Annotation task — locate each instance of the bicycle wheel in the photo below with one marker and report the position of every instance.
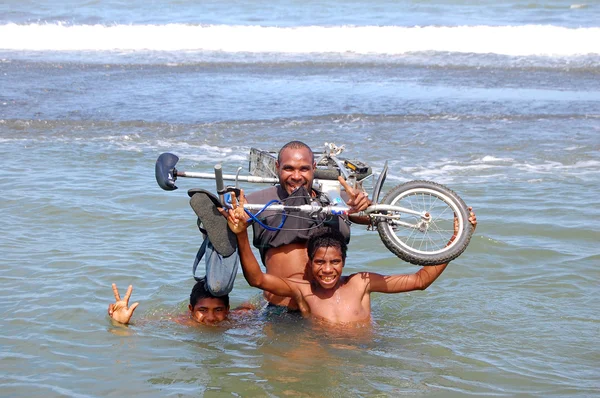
(425, 241)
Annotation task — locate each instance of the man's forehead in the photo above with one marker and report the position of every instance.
(289, 154)
(209, 302)
(331, 251)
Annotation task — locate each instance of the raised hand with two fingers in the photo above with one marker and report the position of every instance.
(357, 200)
(120, 310)
(237, 217)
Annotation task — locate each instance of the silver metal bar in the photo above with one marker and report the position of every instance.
(380, 207)
(310, 209)
(228, 177)
(336, 209)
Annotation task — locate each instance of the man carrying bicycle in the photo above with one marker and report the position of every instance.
(283, 250)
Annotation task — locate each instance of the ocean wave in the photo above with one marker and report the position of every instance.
(525, 40)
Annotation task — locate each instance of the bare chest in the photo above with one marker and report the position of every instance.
(344, 305)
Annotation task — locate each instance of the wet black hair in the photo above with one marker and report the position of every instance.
(295, 145)
(326, 237)
(199, 292)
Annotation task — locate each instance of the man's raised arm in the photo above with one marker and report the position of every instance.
(237, 222)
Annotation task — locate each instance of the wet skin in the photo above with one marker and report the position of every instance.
(327, 267)
(209, 311)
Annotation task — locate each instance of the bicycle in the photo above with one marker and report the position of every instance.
(415, 220)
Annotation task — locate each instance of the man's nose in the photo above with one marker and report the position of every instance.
(209, 316)
(327, 268)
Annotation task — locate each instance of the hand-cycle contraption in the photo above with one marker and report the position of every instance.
(422, 222)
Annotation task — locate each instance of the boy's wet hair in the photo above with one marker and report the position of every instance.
(200, 292)
(326, 237)
(295, 145)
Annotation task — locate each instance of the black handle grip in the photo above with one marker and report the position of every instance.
(219, 179)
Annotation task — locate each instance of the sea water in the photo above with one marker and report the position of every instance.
(498, 101)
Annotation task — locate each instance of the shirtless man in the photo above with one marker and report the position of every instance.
(284, 252)
(328, 295)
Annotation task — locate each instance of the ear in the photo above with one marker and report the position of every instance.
(191, 308)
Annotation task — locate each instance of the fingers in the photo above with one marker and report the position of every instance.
(232, 220)
(223, 211)
(111, 309)
(234, 201)
(455, 224)
(116, 292)
(128, 294)
(133, 307)
(361, 201)
(239, 211)
(357, 200)
(472, 218)
(347, 187)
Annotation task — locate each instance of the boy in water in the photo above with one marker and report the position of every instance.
(328, 295)
(204, 307)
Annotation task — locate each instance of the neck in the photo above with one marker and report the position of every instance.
(323, 293)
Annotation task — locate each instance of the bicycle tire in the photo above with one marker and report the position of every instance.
(429, 246)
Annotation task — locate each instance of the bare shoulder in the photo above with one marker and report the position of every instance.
(359, 278)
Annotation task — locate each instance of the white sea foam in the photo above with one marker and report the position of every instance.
(452, 169)
(527, 40)
(210, 154)
(491, 168)
(493, 159)
(586, 167)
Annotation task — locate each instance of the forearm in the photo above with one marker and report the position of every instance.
(420, 280)
(250, 266)
(427, 275)
(357, 219)
(254, 274)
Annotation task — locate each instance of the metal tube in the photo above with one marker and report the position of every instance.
(228, 177)
(219, 181)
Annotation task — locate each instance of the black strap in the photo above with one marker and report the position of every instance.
(199, 256)
(202, 230)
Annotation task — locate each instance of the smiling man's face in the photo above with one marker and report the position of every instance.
(296, 168)
(209, 311)
(327, 265)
